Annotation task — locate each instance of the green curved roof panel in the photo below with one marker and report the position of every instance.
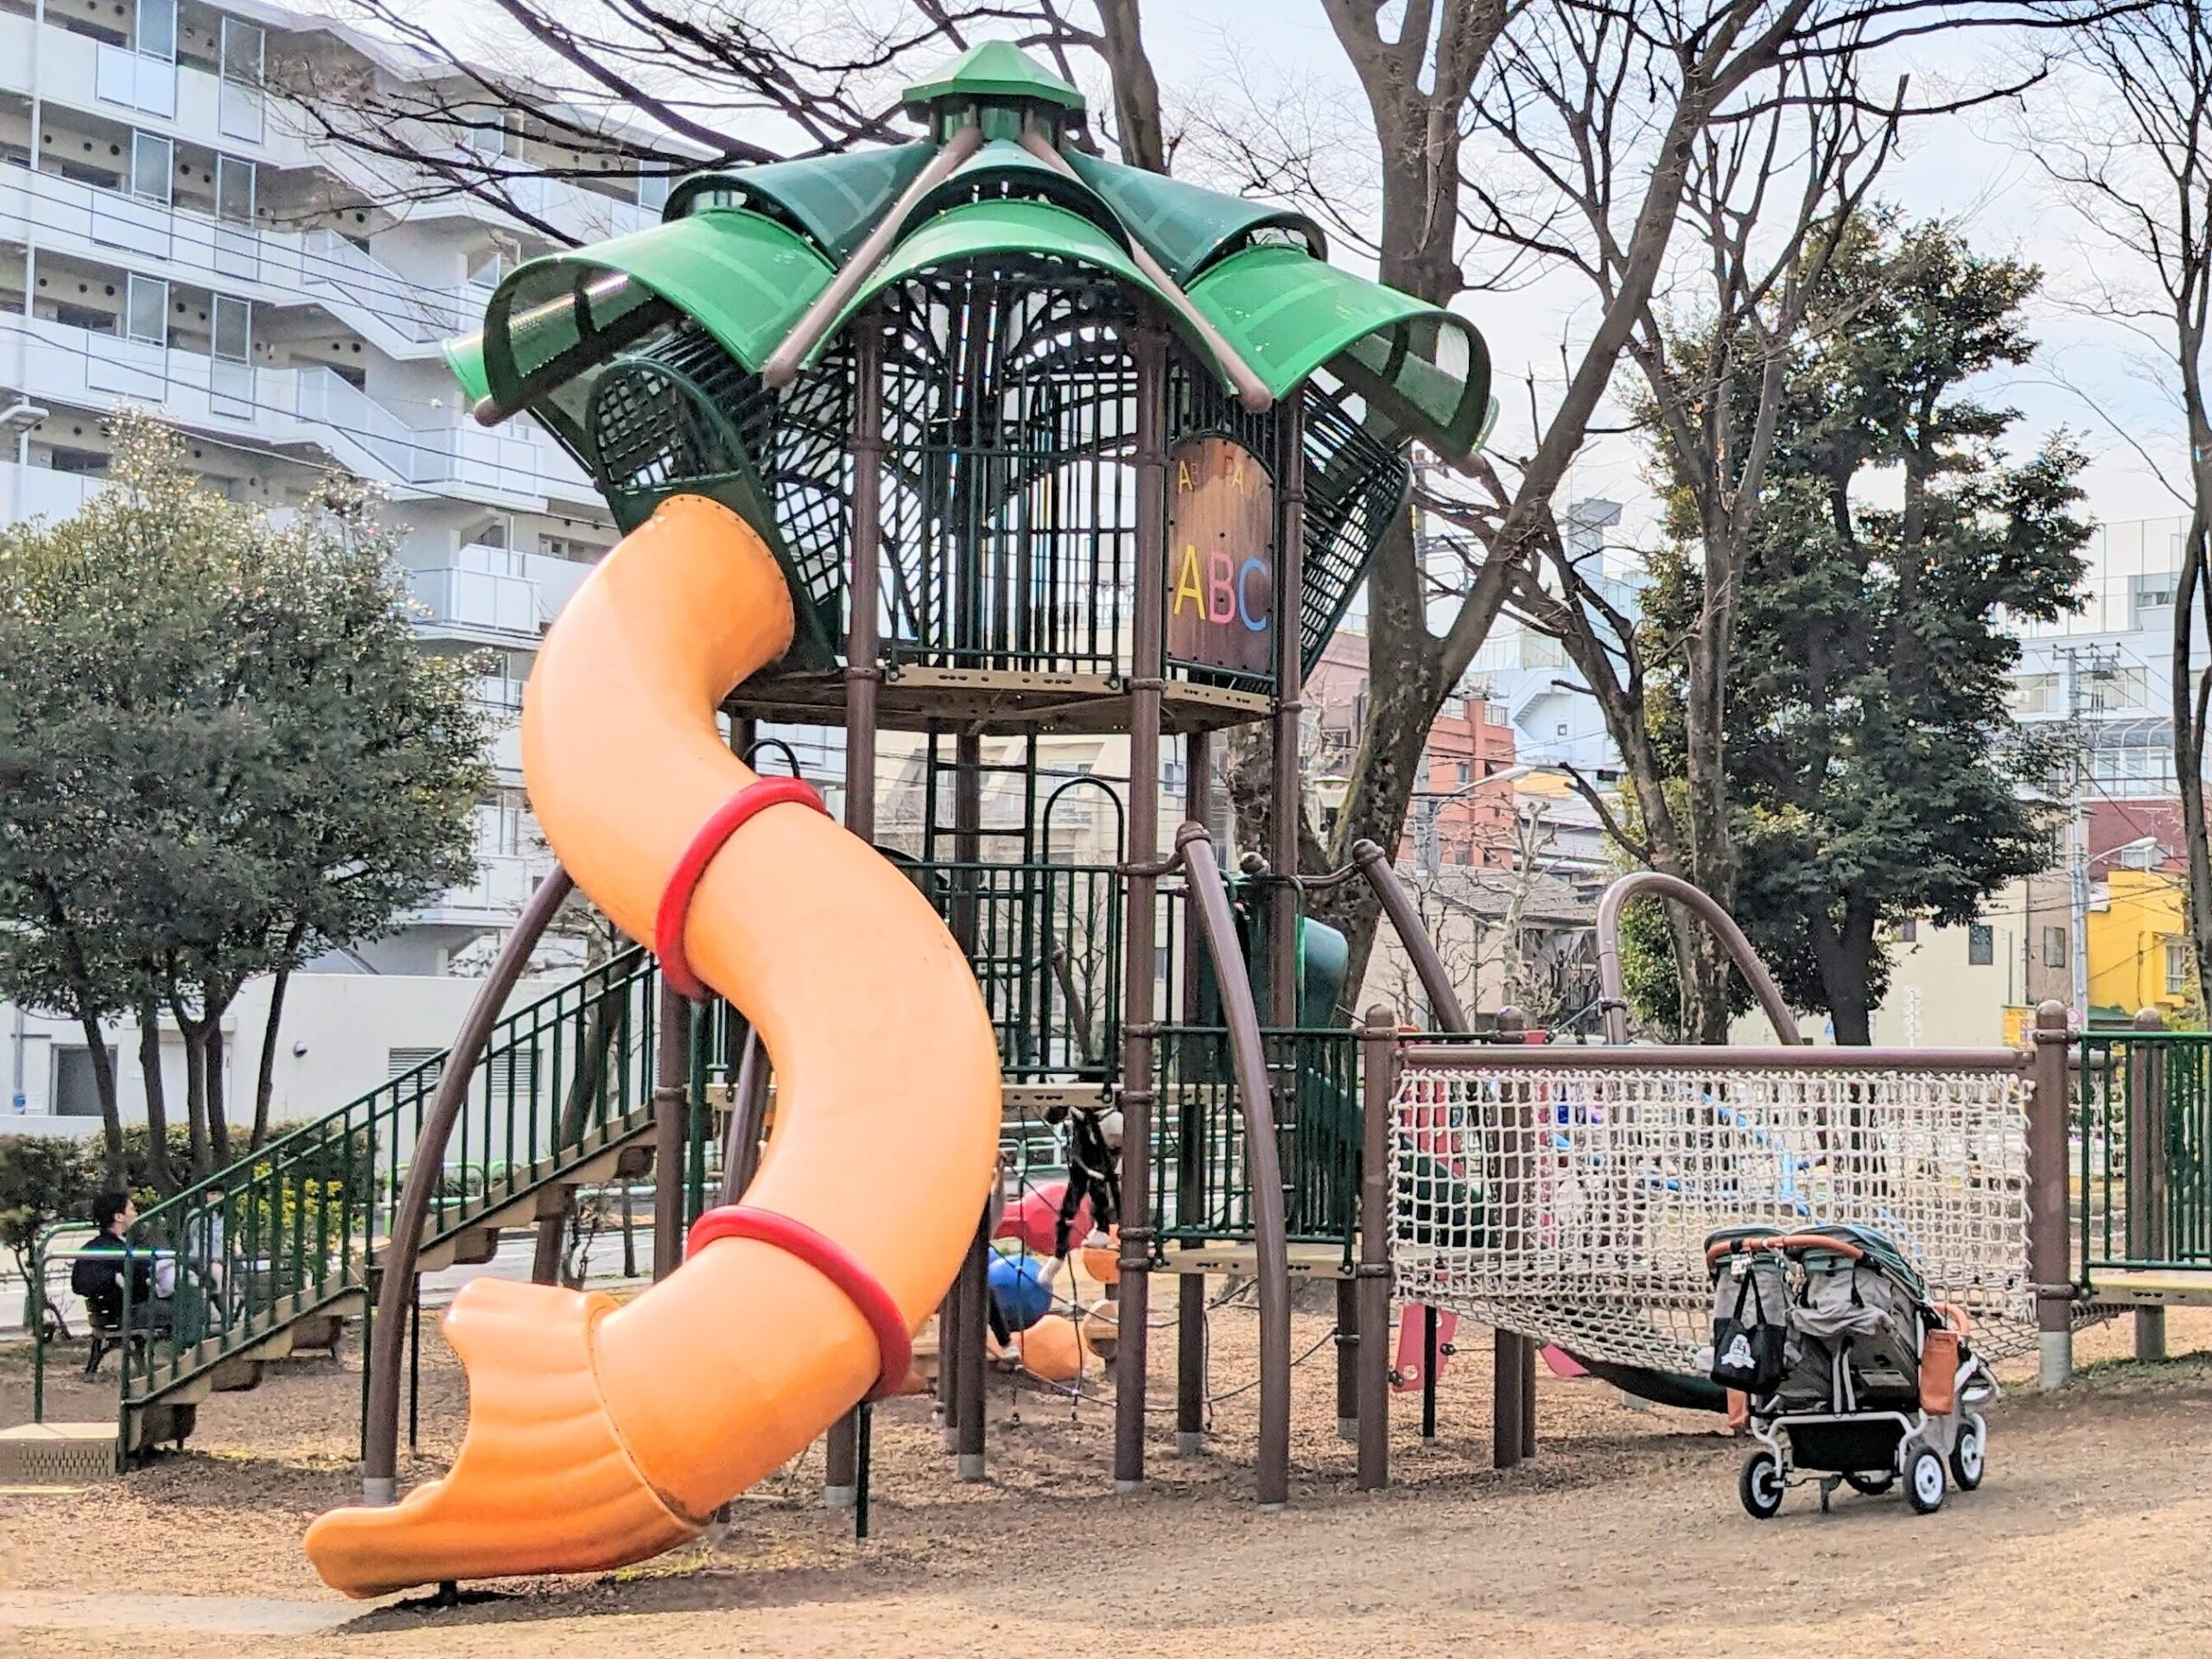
(1421, 368)
(464, 357)
(996, 69)
(1003, 168)
(834, 200)
(1185, 227)
(745, 277)
(980, 229)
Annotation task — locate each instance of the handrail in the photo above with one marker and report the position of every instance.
(1707, 910)
(380, 1429)
(1428, 967)
(1194, 849)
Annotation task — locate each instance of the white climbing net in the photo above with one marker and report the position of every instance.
(1570, 1202)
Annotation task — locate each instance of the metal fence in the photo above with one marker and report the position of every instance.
(2143, 1148)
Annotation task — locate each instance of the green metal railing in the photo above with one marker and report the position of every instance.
(1046, 952)
(297, 1224)
(1200, 1178)
(2143, 1138)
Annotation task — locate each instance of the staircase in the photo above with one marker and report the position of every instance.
(276, 1250)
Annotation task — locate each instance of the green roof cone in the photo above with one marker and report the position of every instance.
(993, 70)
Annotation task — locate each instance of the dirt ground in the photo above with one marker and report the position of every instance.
(1624, 1538)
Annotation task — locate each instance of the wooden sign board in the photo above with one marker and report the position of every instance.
(1221, 564)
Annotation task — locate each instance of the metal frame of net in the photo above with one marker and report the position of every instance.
(1571, 1202)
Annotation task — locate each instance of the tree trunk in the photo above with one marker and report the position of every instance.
(157, 1111)
(1136, 90)
(264, 1080)
(111, 1109)
(211, 1058)
(1845, 958)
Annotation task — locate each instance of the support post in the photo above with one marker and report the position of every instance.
(1140, 1016)
(1378, 1057)
(1429, 1355)
(863, 677)
(1286, 787)
(975, 1291)
(1512, 1381)
(2048, 1220)
(2148, 1103)
(1190, 1288)
(671, 1117)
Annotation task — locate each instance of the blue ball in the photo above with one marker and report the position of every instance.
(1018, 1287)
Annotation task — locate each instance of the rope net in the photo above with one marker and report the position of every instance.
(1570, 1202)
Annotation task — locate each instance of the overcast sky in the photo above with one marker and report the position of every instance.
(1973, 172)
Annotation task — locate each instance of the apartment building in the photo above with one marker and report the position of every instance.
(178, 234)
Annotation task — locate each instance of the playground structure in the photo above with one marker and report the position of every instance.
(980, 440)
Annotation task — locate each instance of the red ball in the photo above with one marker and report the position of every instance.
(1034, 1219)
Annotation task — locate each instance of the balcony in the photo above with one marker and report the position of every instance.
(503, 886)
(485, 592)
(310, 406)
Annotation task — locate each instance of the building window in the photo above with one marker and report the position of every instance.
(157, 32)
(1981, 944)
(2054, 947)
(2034, 694)
(652, 191)
(146, 310)
(234, 190)
(1463, 772)
(1909, 931)
(76, 1088)
(153, 159)
(2177, 967)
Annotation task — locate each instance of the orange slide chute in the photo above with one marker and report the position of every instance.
(602, 1433)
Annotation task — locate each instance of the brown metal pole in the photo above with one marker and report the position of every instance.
(1378, 1059)
(748, 1113)
(2049, 1217)
(1263, 1161)
(1286, 787)
(671, 1118)
(1140, 1018)
(974, 1322)
(1613, 986)
(2148, 1097)
(425, 1165)
(1445, 1013)
(863, 677)
(1190, 1288)
(1510, 1434)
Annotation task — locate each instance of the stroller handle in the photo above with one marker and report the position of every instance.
(1783, 1242)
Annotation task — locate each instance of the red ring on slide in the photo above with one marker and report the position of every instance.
(895, 1344)
(676, 899)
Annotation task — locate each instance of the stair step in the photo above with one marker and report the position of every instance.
(34, 1455)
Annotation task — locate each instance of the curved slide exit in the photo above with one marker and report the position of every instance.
(602, 1432)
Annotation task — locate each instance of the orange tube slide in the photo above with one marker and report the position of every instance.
(602, 1432)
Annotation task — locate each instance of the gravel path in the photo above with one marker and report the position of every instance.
(1624, 1538)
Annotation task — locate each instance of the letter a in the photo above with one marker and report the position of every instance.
(1187, 582)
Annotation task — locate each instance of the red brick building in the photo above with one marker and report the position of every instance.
(1464, 813)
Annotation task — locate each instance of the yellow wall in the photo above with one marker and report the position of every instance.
(2128, 933)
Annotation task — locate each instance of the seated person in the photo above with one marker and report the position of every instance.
(100, 1283)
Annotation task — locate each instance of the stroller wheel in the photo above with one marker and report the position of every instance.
(1967, 1453)
(1760, 1485)
(1923, 1484)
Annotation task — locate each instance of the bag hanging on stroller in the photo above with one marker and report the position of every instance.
(1750, 1331)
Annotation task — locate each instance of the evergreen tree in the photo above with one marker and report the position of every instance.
(1874, 771)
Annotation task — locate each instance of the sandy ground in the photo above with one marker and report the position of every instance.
(1624, 1538)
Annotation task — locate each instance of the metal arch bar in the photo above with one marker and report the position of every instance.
(782, 366)
(759, 744)
(387, 1329)
(1444, 1003)
(1121, 817)
(1251, 391)
(1709, 911)
(1194, 847)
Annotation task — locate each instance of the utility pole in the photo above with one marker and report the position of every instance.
(2083, 663)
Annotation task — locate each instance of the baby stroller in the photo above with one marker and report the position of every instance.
(1848, 1368)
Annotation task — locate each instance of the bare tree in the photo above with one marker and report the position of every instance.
(2133, 157)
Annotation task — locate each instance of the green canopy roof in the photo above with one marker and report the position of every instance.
(746, 252)
(834, 199)
(996, 70)
(746, 278)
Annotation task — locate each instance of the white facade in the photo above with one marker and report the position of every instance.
(175, 237)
